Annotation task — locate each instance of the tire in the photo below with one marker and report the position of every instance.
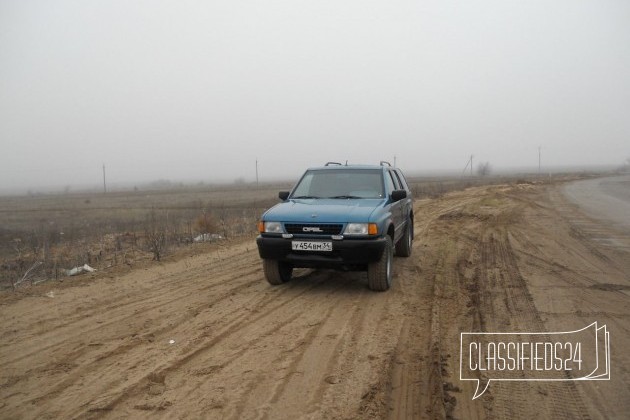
(276, 272)
(403, 247)
(380, 272)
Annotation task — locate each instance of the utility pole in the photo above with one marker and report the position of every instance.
(256, 172)
(468, 162)
(538, 160)
(394, 161)
(104, 183)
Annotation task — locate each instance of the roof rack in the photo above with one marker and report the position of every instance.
(383, 162)
(332, 163)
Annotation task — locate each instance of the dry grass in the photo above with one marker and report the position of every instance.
(106, 230)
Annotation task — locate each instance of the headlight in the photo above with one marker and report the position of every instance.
(270, 227)
(360, 229)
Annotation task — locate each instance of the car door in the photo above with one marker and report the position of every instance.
(397, 208)
(408, 202)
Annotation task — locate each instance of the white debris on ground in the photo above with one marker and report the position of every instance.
(208, 237)
(79, 270)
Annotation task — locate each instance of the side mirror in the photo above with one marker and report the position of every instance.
(398, 195)
(283, 195)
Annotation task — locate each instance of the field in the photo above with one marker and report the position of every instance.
(120, 229)
(200, 334)
(115, 229)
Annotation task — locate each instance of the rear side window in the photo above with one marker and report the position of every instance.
(401, 180)
(391, 185)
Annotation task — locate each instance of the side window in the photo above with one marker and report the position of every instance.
(396, 180)
(391, 186)
(401, 180)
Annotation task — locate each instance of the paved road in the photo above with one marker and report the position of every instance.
(606, 199)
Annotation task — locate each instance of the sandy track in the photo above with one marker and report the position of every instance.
(324, 346)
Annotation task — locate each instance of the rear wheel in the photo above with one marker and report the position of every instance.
(403, 247)
(380, 272)
(277, 272)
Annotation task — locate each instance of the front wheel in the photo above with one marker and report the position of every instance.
(403, 247)
(277, 272)
(380, 272)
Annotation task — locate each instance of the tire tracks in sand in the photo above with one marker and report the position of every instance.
(320, 346)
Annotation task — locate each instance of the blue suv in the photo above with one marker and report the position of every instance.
(345, 217)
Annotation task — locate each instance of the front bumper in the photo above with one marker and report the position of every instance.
(346, 253)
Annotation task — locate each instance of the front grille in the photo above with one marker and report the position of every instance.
(313, 228)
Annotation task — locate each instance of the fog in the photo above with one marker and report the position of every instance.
(201, 90)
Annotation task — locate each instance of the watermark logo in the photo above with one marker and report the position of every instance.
(578, 355)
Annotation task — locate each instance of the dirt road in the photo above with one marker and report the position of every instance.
(206, 337)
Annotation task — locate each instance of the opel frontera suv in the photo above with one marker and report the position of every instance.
(345, 217)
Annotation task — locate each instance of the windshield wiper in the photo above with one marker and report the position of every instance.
(303, 197)
(346, 196)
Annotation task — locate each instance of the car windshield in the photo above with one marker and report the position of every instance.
(340, 184)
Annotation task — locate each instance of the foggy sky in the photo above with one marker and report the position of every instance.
(201, 89)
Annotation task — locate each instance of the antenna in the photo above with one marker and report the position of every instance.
(256, 172)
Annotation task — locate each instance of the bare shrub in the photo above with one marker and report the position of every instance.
(224, 214)
(205, 223)
(155, 235)
(28, 274)
(18, 246)
(484, 169)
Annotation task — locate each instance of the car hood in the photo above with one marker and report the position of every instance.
(323, 210)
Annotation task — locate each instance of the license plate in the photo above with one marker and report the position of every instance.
(311, 246)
